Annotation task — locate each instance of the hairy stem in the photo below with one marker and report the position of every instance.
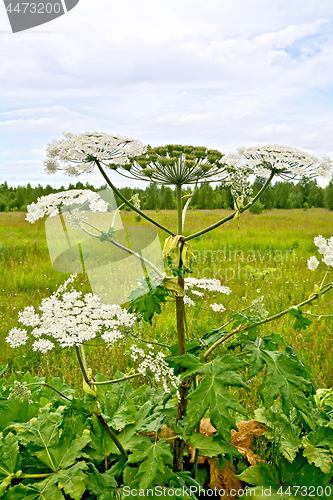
(182, 403)
(137, 210)
(113, 436)
(231, 216)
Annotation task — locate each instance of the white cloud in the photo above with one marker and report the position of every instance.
(225, 73)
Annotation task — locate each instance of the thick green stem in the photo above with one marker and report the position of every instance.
(137, 210)
(99, 416)
(113, 436)
(231, 216)
(182, 403)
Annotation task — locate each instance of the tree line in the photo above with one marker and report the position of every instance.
(304, 194)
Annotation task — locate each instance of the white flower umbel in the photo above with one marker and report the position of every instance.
(206, 288)
(313, 263)
(211, 285)
(20, 391)
(257, 307)
(75, 154)
(156, 365)
(68, 318)
(288, 163)
(50, 204)
(217, 307)
(175, 165)
(325, 248)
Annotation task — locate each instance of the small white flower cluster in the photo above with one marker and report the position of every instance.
(238, 178)
(76, 218)
(212, 285)
(217, 307)
(20, 391)
(135, 200)
(49, 205)
(189, 301)
(257, 307)
(325, 247)
(70, 318)
(75, 153)
(209, 285)
(157, 366)
(285, 161)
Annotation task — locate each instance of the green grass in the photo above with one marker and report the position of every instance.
(279, 239)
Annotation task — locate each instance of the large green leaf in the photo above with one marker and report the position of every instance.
(154, 456)
(16, 411)
(9, 455)
(149, 304)
(281, 483)
(72, 480)
(283, 430)
(43, 438)
(210, 446)
(104, 486)
(43, 490)
(318, 448)
(212, 393)
(285, 376)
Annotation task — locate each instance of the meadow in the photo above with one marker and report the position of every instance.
(266, 255)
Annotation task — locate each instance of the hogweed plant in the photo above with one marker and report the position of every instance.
(122, 442)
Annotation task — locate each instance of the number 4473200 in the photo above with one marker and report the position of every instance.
(34, 8)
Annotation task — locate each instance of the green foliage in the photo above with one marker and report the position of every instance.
(148, 304)
(285, 376)
(295, 480)
(257, 208)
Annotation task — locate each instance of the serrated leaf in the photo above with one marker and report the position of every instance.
(209, 446)
(318, 448)
(301, 322)
(285, 376)
(9, 455)
(155, 456)
(42, 490)
(213, 394)
(264, 476)
(17, 411)
(283, 431)
(72, 480)
(104, 486)
(149, 304)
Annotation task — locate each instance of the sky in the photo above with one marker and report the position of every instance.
(214, 73)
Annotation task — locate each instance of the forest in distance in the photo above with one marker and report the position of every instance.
(285, 195)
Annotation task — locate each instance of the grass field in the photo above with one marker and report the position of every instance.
(278, 239)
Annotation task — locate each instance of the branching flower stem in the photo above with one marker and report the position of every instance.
(44, 384)
(114, 381)
(125, 249)
(128, 203)
(99, 415)
(187, 205)
(247, 326)
(231, 216)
